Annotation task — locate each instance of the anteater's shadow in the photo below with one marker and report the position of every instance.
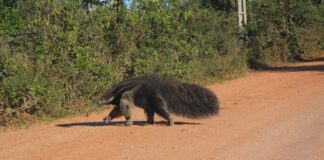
(120, 123)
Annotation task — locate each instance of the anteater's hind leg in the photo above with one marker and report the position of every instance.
(116, 112)
(150, 116)
(127, 106)
(161, 108)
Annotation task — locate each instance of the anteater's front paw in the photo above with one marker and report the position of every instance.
(106, 120)
(171, 123)
(128, 123)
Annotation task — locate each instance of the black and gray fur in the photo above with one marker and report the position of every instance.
(160, 95)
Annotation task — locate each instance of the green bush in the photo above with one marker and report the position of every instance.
(279, 31)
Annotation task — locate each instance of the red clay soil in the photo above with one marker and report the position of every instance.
(275, 115)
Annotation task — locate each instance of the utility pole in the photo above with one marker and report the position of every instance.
(242, 17)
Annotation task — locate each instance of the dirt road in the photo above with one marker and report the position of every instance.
(272, 115)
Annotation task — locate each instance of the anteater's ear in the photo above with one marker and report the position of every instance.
(111, 99)
(105, 101)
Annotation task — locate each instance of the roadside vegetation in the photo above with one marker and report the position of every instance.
(56, 55)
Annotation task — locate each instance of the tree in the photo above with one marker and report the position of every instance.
(225, 5)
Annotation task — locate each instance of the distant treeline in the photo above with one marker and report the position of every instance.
(57, 54)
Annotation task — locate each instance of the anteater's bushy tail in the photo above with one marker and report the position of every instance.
(189, 100)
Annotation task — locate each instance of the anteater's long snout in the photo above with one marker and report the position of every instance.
(97, 104)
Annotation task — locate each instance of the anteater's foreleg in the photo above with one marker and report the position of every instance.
(127, 106)
(116, 112)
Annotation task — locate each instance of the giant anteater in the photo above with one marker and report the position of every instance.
(160, 95)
